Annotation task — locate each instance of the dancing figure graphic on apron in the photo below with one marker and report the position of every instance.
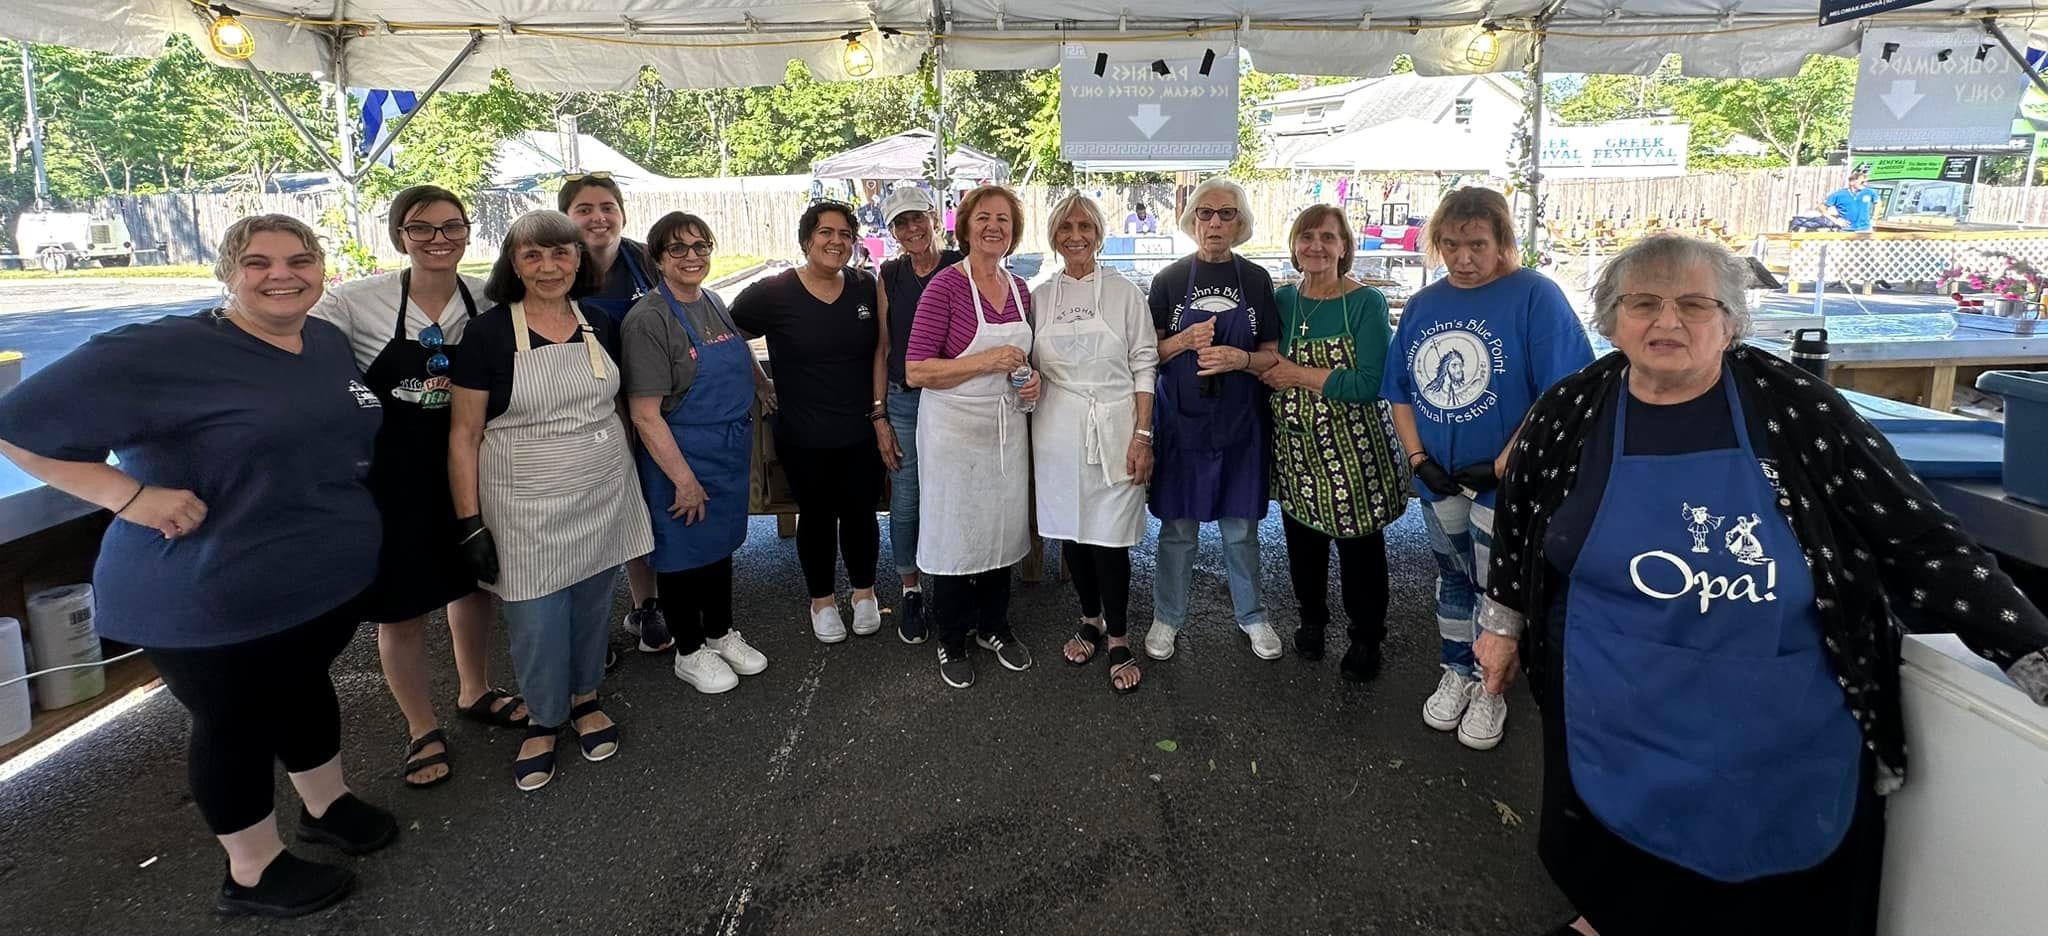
(1742, 541)
(1699, 523)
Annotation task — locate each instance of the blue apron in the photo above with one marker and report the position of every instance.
(712, 427)
(1211, 450)
(1703, 721)
(616, 307)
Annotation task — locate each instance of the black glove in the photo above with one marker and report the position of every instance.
(478, 548)
(1434, 477)
(1478, 476)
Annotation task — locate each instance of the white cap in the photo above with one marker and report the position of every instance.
(906, 198)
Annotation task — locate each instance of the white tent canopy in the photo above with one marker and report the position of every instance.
(602, 44)
(904, 156)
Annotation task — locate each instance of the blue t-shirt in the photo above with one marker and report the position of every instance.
(277, 445)
(1854, 207)
(1471, 361)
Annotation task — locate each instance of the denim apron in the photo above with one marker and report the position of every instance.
(715, 432)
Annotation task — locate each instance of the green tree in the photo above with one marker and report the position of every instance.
(1798, 118)
(453, 138)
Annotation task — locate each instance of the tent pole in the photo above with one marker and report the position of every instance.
(262, 80)
(476, 41)
(2019, 58)
(344, 129)
(941, 180)
(1535, 110)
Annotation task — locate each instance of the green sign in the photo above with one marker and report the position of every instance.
(1894, 168)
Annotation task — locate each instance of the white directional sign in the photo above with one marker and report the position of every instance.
(1933, 89)
(1132, 116)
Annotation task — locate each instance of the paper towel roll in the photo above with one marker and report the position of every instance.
(60, 628)
(14, 709)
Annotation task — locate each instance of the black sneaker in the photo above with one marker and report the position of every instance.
(1008, 650)
(957, 671)
(910, 623)
(1308, 642)
(291, 886)
(355, 827)
(646, 623)
(1361, 661)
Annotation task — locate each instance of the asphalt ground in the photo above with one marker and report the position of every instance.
(847, 790)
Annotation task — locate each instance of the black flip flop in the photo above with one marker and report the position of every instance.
(1120, 659)
(486, 710)
(1088, 634)
(414, 763)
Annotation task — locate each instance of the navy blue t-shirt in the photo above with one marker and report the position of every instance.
(277, 445)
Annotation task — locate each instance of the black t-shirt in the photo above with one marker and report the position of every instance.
(1217, 289)
(822, 357)
(618, 282)
(903, 286)
(1701, 424)
(488, 347)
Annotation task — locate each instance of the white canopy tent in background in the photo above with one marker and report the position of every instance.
(907, 155)
(603, 44)
(1407, 144)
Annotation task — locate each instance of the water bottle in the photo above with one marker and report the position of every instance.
(1811, 353)
(1018, 378)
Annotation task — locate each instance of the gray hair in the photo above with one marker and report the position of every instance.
(1669, 255)
(1237, 194)
(1066, 206)
(540, 228)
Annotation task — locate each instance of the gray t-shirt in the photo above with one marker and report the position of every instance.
(656, 349)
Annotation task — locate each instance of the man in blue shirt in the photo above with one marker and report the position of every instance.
(1851, 208)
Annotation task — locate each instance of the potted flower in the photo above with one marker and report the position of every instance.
(2002, 285)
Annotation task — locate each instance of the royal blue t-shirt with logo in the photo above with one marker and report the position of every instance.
(1471, 361)
(1856, 208)
(277, 445)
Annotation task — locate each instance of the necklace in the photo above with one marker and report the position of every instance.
(1309, 316)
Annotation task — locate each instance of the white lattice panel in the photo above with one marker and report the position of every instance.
(1899, 258)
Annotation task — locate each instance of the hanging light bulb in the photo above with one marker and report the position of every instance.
(855, 59)
(1484, 49)
(229, 37)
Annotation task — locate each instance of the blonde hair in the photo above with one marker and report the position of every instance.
(235, 243)
(1313, 217)
(963, 214)
(1237, 195)
(1067, 206)
(1467, 205)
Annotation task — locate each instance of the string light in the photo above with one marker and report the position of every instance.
(229, 37)
(855, 59)
(1484, 49)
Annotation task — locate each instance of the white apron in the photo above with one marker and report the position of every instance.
(556, 477)
(1084, 424)
(974, 462)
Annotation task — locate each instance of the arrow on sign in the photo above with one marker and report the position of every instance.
(1149, 119)
(1901, 98)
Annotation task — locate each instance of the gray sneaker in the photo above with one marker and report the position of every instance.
(957, 671)
(1008, 650)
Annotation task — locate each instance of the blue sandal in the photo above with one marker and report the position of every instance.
(597, 745)
(540, 765)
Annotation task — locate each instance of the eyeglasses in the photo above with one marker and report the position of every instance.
(420, 232)
(1693, 309)
(1226, 214)
(432, 340)
(679, 250)
(598, 176)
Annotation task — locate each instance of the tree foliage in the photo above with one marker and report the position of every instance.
(1800, 119)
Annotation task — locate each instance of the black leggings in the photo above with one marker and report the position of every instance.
(254, 703)
(696, 603)
(836, 491)
(967, 602)
(1361, 568)
(1102, 580)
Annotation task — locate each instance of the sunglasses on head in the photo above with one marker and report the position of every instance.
(598, 176)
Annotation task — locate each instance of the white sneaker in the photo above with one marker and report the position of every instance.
(827, 625)
(737, 653)
(1447, 704)
(1486, 719)
(1265, 643)
(867, 616)
(1159, 641)
(705, 671)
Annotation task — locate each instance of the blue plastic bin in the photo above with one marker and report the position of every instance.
(2026, 430)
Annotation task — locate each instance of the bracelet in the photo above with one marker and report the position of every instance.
(878, 417)
(1144, 440)
(1144, 433)
(1412, 456)
(132, 498)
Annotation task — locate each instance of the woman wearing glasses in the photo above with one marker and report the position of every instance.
(1218, 328)
(404, 328)
(690, 379)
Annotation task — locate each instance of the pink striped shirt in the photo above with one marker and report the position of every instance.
(945, 324)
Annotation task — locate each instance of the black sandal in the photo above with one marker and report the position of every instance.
(1120, 660)
(1088, 634)
(542, 764)
(594, 743)
(414, 763)
(486, 709)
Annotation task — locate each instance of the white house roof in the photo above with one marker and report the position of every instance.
(1407, 144)
(904, 156)
(533, 159)
(1369, 104)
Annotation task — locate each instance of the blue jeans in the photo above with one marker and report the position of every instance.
(557, 643)
(1461, 536)
(1176, 570)
(903, 483)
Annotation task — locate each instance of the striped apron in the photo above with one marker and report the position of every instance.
(556, 478)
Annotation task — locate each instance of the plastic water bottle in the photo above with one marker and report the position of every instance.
(1018, 378)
